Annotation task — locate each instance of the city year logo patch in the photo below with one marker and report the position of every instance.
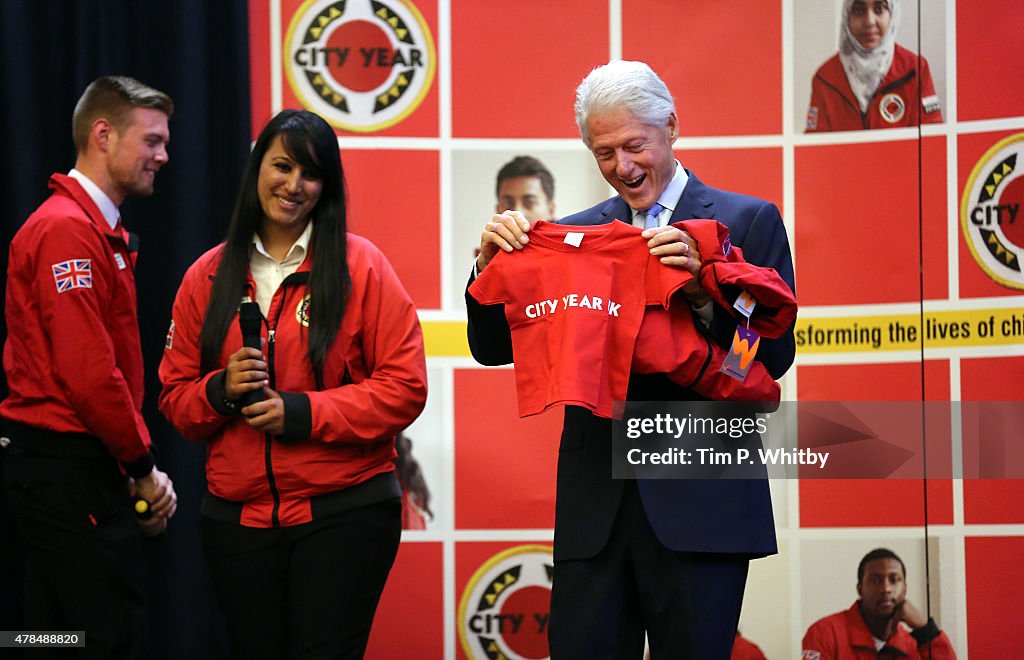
(990, 217)
(302, 311)
(504, 609)
(363, 65)
(892, 108)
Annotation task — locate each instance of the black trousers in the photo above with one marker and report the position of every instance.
(306, 591)
(85, 567)
(687, 603)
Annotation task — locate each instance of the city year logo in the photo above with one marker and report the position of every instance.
(503, 613)
(363, 65)
(990, 216)
(892, 108)
(302, 311)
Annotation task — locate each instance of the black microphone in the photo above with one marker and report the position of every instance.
(249, 322)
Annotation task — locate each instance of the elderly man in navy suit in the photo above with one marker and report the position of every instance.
(663, 557)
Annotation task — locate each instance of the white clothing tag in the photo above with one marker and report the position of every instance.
(574, 238)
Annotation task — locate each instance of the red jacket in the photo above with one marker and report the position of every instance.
(669, 342)
(744, 649)
(834, 106)
(725, 275)
(72, 357)
(413, 516)
(845, 636)
(374, 378)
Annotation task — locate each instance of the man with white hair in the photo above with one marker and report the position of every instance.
(632, 556)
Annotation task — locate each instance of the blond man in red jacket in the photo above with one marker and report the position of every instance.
(76, 443)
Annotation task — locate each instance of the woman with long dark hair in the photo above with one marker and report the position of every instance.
(303, 515)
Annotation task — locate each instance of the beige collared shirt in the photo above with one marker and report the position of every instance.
(268, 272)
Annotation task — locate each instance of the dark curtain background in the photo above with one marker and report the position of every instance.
(196, 51)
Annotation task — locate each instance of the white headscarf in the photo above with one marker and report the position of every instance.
(865, 67)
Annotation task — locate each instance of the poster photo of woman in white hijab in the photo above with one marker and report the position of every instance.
(874, 81)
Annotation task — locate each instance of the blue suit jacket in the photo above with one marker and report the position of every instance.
(722, 516)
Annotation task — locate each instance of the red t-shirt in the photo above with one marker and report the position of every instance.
(575, 311)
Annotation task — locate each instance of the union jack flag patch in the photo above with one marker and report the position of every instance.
(72, 274)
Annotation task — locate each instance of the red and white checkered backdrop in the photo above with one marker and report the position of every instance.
(875, 220)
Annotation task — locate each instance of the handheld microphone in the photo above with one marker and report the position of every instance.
(249, 322)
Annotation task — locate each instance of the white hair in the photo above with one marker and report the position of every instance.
(621, 84)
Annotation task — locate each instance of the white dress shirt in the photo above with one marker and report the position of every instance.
(268, 272)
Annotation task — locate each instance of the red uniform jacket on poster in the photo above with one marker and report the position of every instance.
(375, 384)
(744, 649)
(72, 358)
(845, 636)
(413, 516)
(834, 107)
(575, 315)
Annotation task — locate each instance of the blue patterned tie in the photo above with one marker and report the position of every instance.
(651, 216)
